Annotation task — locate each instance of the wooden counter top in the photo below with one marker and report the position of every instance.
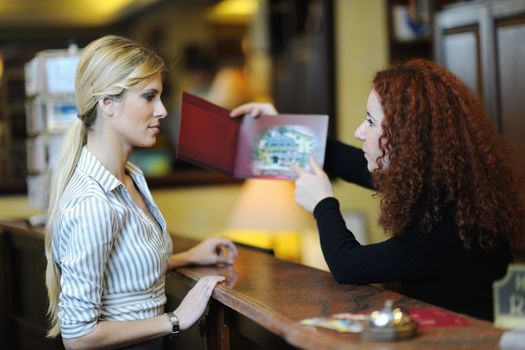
(276, 294)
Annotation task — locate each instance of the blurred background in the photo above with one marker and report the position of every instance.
(305, 56)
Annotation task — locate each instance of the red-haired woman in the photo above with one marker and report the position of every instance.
(448, 198)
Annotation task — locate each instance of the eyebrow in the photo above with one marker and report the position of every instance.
(151, 90)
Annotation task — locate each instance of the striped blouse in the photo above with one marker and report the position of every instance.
(112, 256)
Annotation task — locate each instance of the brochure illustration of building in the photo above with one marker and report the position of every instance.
(246, 147)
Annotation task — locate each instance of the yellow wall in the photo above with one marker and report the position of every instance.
(197, 212)
(361, 44)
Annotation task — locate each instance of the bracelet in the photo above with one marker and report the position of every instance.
(174, 320)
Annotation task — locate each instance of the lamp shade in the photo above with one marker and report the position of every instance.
(268, 205)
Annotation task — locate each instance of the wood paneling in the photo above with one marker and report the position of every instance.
(510, 42)
(499, 34)
(461, 44)
(465, 43)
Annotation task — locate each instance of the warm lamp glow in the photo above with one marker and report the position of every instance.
(77, 13)
(233, 11)
(268, 205)
(107, 8)
(267, 216)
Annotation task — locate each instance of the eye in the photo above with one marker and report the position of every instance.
(149, 97)
(370, 121)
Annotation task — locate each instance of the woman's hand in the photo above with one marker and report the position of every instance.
(212, 251)
(254, 109)
(194, 303)
(310, 188)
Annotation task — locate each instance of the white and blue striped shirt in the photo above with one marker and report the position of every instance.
(112, 256)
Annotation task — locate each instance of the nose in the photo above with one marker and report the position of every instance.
(360, 132)
(160, 110)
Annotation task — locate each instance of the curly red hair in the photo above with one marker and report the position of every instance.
(443, 151)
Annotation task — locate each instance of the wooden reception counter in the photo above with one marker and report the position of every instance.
(258, 307)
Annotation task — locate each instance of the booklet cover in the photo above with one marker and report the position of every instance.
(246, 147)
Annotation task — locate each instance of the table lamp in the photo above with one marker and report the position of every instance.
(267, 216)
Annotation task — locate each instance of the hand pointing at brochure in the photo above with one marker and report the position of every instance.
(311, 188)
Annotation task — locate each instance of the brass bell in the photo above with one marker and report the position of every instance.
(389, 324)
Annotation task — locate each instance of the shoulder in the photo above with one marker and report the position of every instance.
(84, 199)
(81, 189)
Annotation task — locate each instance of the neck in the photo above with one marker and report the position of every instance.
(112, 154)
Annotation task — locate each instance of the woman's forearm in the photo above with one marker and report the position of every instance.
(179, 260)
(113, 334)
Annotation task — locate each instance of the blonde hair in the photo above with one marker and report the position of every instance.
(108, 67)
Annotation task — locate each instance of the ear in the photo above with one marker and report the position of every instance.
(107, 105)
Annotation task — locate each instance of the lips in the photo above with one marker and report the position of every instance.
(155, 128)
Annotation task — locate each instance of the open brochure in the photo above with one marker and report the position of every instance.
(246, 147)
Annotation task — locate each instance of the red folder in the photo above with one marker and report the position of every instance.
(245, 147)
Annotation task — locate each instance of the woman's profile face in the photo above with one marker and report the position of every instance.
(371, 130)
(137, 122)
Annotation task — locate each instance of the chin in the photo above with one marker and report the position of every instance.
(149, 143)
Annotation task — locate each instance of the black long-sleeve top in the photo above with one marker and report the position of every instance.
(432, 266)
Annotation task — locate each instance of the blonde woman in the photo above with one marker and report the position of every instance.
(107, 246)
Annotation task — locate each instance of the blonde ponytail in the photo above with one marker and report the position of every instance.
(74, 140)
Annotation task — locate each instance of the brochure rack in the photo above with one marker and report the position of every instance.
(50, 110)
